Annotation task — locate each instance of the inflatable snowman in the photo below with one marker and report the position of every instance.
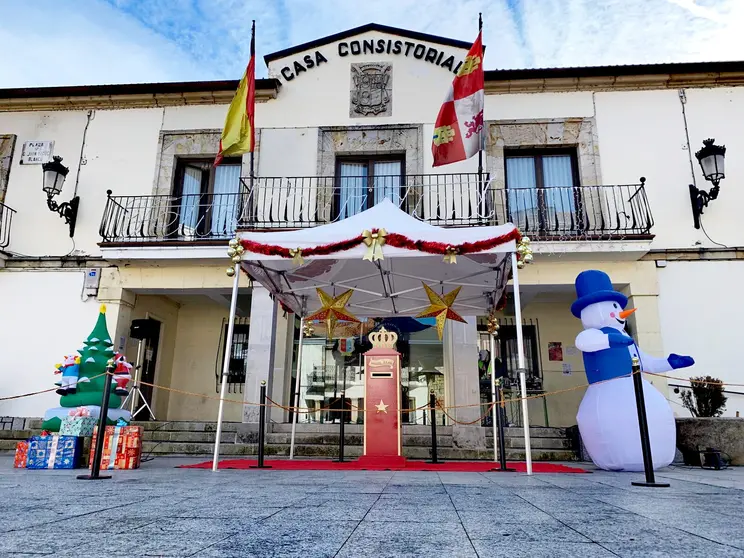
(607, 418)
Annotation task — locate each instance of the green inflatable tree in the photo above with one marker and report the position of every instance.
(94, 356)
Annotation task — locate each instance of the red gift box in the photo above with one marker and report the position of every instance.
(124, 443)
(21, 455)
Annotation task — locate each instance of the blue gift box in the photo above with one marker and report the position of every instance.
(54, 452)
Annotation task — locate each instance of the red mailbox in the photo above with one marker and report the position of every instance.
(382, 436)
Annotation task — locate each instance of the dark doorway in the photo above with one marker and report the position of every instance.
(149, 357)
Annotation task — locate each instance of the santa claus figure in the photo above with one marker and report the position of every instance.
(122, 375)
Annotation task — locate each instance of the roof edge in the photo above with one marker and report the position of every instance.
(364, 29)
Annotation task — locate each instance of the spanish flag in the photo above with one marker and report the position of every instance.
(238, 135)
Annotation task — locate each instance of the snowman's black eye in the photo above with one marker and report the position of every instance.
(616, 306)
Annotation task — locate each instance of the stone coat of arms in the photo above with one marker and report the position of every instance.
(371, 90)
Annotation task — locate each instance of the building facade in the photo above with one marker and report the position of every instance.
(342, 123)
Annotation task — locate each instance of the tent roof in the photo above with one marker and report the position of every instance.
(387, 287)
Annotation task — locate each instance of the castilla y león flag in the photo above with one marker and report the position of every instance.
(238, 135)
(459, 125)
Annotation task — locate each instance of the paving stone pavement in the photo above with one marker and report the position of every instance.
(162, 511)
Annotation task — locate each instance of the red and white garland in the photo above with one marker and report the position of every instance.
(392, 239)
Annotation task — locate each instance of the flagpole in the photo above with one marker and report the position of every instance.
(253, 147)
(480, 143)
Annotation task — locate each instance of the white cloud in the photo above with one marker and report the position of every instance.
(89, 41)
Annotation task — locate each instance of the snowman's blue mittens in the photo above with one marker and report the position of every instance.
(678, 361)
(619, 340)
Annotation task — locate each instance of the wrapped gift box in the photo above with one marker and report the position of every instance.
(122, 447)
(54, 452)
(21, 455)
(77, 426)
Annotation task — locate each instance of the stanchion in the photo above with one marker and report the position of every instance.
(341, 429)
(101, 436)
(261, 428)
(648, 464)
(433, 408)
(500, 429)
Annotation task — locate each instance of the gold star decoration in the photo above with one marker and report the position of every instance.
(381, 407)
(441, 308)
(333, 310)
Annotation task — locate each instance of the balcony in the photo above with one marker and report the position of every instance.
(6, 218)
(449, 200)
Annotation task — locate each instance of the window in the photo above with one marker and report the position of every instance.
(543, 190)
(238, 355)
(208, 198)
(364, 182)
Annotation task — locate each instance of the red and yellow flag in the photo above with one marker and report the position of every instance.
(459, 125)
(238, 135)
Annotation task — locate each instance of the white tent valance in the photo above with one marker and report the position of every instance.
(388, 286)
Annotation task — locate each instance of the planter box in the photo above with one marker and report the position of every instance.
(724, 434)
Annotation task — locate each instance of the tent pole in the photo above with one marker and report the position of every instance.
(494, 410)
(522, 373)
(226, 365)
(297, 389)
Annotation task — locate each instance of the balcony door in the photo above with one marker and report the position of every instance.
(363, 183)
(208, 198)
(543, 191)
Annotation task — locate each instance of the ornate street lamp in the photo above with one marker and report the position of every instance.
(54, 178)
(711, 158)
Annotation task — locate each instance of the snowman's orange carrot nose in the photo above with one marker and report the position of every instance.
(625, 313)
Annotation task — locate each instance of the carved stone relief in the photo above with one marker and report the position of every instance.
(371, 90)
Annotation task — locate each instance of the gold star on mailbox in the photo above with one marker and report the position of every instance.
(441, 308)
(333, 310)
(381, 407)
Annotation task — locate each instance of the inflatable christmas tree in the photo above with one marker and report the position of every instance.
(84, 379)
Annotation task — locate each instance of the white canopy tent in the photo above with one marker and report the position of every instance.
(388, 286)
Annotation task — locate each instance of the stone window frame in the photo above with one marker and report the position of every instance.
(174, 144)
(549, 132)
(573, 132)
(7, 148)
(365, 140)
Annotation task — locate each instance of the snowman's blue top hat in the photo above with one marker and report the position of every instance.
(595, 286)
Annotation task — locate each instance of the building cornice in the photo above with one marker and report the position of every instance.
(130, 96)
(695, 254)
(615, 83)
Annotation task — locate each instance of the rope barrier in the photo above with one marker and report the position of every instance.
(425, 407)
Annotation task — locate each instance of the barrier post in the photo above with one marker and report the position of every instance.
(341, 429)
(101, 436)
(433, 410)
(648, 464)
(261, 428)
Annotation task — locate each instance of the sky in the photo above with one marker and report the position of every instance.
(88, 42)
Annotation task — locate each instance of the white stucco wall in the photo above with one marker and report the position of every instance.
(700, 311)
(42, 318)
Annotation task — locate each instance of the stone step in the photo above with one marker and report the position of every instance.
(186, 426)
(201, 449)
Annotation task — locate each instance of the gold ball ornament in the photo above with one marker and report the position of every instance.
(236, 259)
(233, 243)
(240, 249)
(230, 271)
(522, 248)
(231, 252)
(520, 264)
(528, 258)
(526, 240)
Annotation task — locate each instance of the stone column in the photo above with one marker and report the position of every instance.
(464, 385)
(260, 358)
(119, 305)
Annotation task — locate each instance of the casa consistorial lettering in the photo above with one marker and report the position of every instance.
(396, 47)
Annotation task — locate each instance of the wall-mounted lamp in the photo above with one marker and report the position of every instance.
(711, 159)
(54, 178)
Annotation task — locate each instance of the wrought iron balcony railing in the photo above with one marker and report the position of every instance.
(6, 219)
(451, 200)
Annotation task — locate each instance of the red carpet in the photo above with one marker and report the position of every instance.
(323, 465)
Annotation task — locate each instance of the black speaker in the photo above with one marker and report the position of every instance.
(143, 329)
